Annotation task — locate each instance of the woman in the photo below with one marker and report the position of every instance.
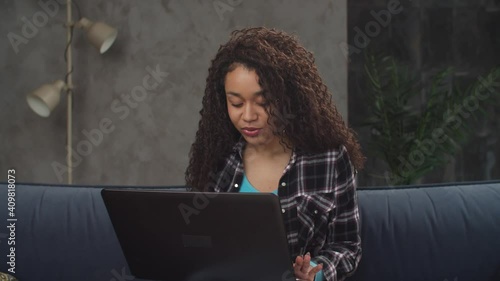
(268, 124)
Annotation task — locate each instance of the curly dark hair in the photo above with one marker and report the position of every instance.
(299, 103)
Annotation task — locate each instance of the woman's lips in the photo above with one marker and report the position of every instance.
(251, 132)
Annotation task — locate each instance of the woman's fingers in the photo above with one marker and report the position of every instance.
(297, 267)
(315, 270)
(303, 269)
(299, 261)
(306, 263)
(302, 264)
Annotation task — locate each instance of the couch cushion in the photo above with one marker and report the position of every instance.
(408, 233)
(431, 233)
(63, 233)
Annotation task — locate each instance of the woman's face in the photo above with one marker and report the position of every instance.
(246, 107)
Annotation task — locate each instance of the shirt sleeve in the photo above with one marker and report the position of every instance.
(342, 250)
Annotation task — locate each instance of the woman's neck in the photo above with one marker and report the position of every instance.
(271, 150)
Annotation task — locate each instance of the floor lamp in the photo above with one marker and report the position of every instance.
(45, 98)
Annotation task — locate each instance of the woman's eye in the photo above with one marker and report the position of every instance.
(237, 105)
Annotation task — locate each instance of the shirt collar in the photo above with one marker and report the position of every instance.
(238, 147)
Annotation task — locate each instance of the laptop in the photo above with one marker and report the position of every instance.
(195, 236)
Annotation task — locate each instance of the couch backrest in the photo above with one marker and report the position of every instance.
(431, 233)
(63, 233)
(416, 233)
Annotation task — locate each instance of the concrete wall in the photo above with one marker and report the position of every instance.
(148, 138)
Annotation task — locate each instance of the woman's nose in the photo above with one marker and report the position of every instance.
(249, 113)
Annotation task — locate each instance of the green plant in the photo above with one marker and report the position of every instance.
(416, 127)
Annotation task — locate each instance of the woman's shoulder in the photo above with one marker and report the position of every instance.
(335, 158)
(330, 154)
(326, 172)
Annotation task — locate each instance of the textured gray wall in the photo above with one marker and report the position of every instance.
(149, 137)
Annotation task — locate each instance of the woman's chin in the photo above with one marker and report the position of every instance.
(259, 140)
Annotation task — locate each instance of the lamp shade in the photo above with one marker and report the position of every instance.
(45, 98)
(100, 35)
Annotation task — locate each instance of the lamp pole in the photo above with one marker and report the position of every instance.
(69, 92)
(44, 99)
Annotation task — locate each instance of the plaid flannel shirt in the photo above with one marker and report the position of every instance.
(317, 193)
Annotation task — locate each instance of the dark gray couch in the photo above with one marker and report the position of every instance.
(428, 233)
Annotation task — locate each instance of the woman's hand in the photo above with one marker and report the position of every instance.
(303, 270)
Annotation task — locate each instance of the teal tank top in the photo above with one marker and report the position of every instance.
(246, 186)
